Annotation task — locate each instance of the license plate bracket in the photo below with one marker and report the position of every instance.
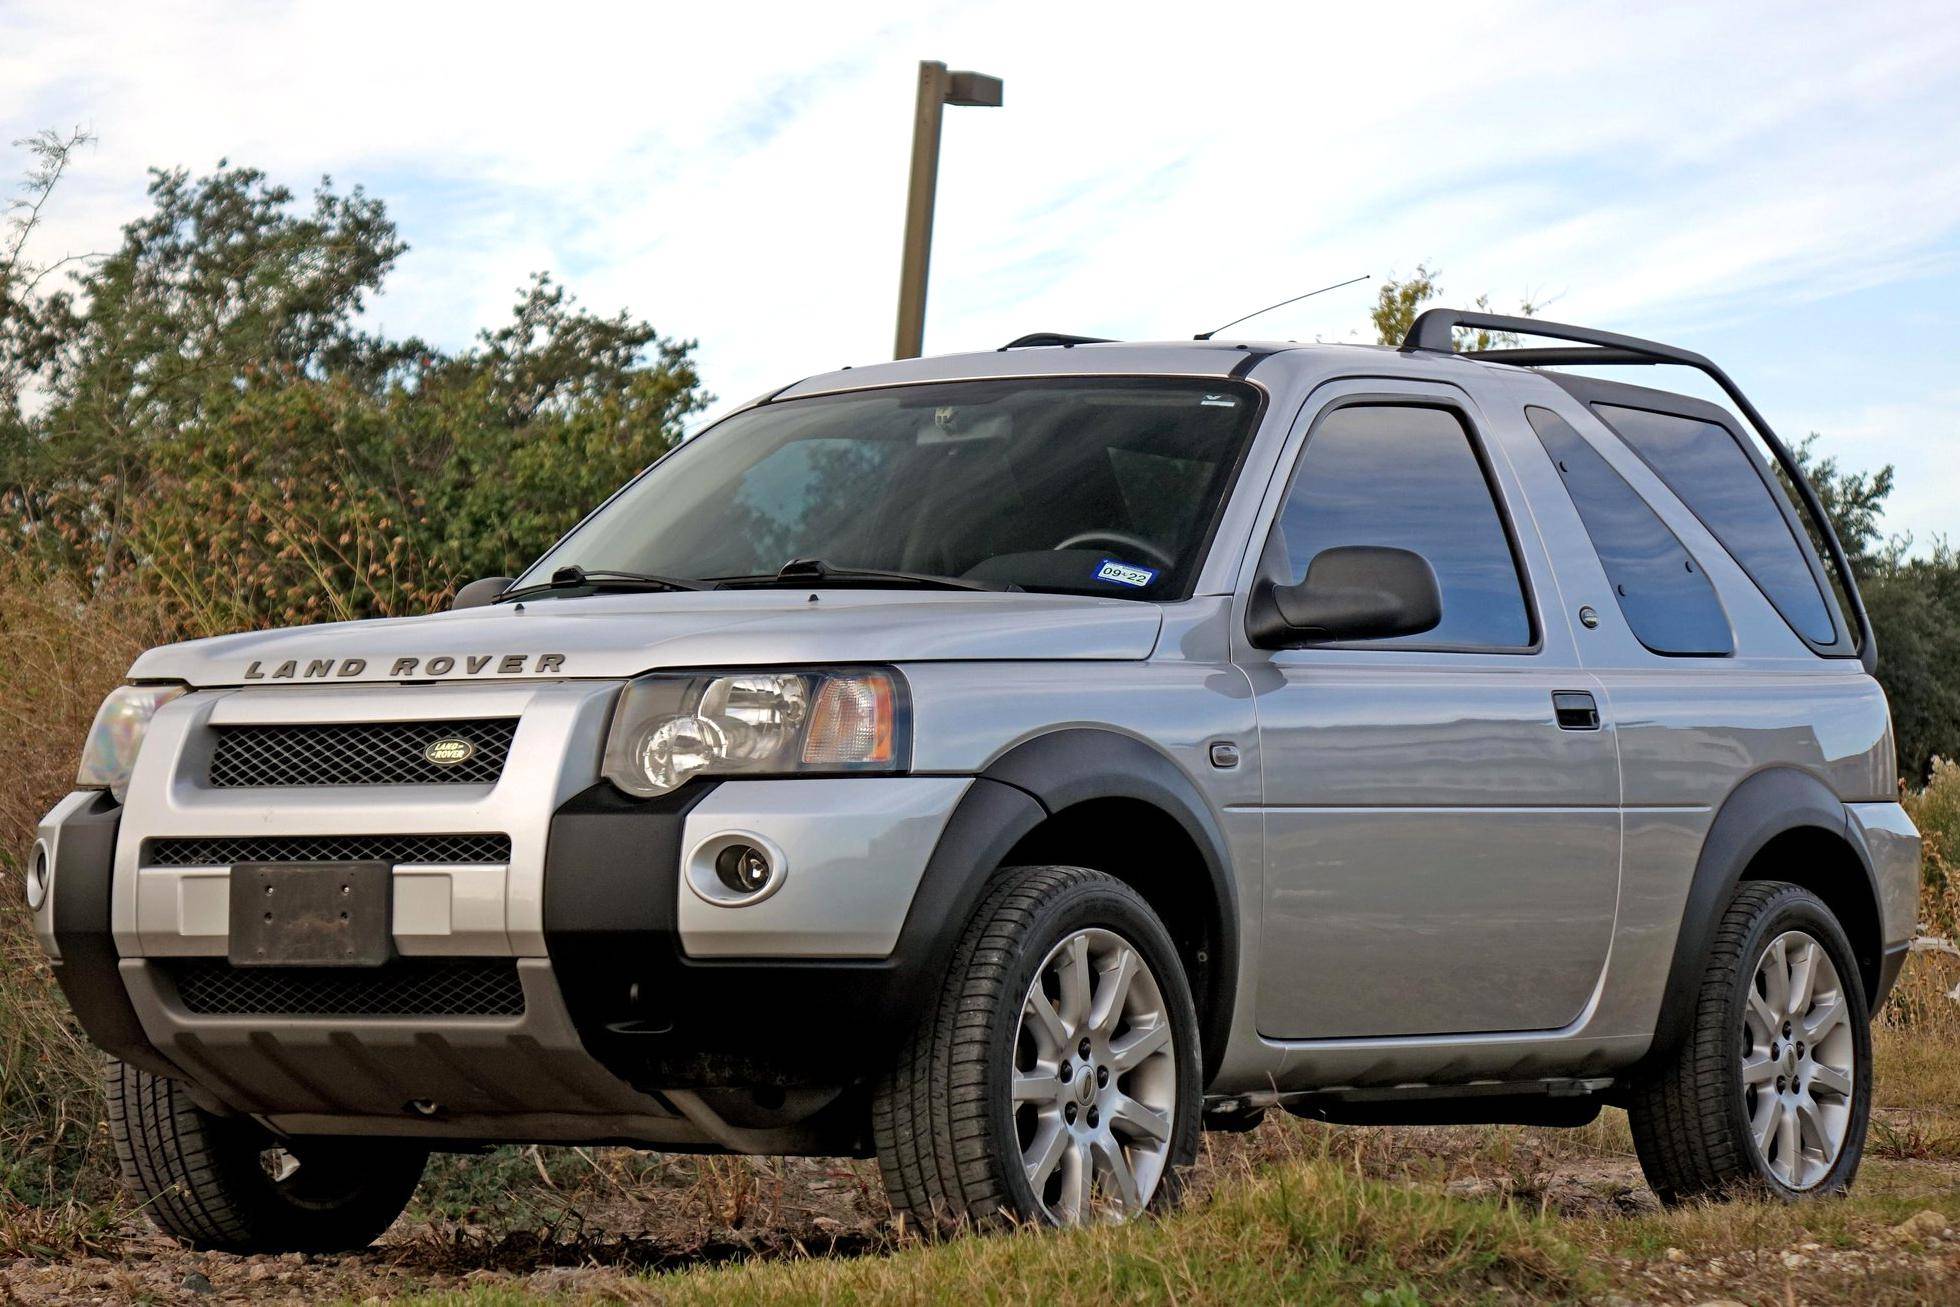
(312, 914)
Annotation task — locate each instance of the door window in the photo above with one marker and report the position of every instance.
(1409, 477)
(1668, 600)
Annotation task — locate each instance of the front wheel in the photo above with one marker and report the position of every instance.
(1770, 1092)
(230, 1185)
(1056, 1079)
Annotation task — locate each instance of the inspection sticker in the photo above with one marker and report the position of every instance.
(1124, 573)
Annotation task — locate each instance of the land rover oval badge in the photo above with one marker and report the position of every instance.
(449, 751)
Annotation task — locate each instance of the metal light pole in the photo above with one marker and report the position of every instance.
(937, 88)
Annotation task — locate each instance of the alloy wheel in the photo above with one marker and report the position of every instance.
(1094, 1080)
(1799, 1060)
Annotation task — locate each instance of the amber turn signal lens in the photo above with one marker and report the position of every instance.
(853, 722)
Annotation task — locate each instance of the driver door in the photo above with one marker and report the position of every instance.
(1442, 841)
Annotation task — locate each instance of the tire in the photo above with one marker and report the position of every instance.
(1696, 1116)
(950, 1134)
(227, 1184)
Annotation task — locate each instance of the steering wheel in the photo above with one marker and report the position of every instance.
(1122, 541)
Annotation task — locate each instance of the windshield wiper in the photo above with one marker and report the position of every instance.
(814, 571)
(574, 577)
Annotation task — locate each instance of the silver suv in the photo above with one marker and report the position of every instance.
(1010, 765)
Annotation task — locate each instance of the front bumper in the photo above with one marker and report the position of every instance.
(649, 1014)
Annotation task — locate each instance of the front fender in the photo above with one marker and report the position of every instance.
(1077, 765)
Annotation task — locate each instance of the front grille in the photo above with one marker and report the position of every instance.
(407, 987)
(392, 849)
(360, 753)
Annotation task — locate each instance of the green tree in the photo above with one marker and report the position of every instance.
(24, 342)
(1913, 602)
(1853, 501)
(222, 285)
(210, 419)
(1399, 302)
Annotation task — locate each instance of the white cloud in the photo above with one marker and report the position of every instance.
(735, 173)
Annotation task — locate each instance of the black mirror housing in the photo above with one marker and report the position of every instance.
(1354, 592)
(480, 592)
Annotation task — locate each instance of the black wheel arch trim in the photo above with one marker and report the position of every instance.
(1766, 805)
(659, 1018)
(611, 878)
(1063, 768)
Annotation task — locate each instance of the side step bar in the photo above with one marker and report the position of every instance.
(1561, 1102)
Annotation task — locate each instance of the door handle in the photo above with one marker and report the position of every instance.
(1576, 710)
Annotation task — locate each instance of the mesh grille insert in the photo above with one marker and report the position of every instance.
(407, 987)
(360, 753)
(391, 849)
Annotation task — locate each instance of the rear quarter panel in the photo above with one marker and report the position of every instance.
(1690, 729)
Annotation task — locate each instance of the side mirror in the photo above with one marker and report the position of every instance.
(480, 592)
(1355, 592)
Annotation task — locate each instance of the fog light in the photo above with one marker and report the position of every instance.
(37, 876)
(734, 868)
(743, 868)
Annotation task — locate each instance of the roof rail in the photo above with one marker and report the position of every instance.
(1435, 330)
(1038, 339)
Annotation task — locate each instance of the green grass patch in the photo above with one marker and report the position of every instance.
(1307, 1231)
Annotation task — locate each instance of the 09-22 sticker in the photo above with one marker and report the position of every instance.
(1125, 573)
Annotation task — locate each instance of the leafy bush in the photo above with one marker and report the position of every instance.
(1936, 811)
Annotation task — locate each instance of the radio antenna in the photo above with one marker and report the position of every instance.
(1207, 335)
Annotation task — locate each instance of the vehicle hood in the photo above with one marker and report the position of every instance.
(623, 635)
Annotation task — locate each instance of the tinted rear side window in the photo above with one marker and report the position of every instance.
(1409, 478)
(1668, 600)
(1715, 477)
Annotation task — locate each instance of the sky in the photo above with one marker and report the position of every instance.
(1775, 185)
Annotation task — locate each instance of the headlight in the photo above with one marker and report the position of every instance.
(109, 754)
(669, 727)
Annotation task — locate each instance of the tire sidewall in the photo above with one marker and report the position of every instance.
(1798, 909)
(1110, 905)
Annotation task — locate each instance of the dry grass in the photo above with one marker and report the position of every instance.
(1311, 1228)
(63, 653)
(1306, 1214)
(1917, 1037)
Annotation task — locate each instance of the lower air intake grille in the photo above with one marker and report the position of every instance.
(392, 849)
(408, 987)
(363, 753)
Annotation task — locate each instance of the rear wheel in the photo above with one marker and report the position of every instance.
(229, 1184)
(1056, 1078)
(1771, 1089)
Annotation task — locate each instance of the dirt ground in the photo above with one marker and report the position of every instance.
(583, 1226)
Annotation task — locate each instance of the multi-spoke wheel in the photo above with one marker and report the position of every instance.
(227, 1183)
(1056, 1079)
(1095, 1079)
(1771, 1088)
(1798, 1060)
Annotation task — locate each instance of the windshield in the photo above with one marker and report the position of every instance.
(1069, 485)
